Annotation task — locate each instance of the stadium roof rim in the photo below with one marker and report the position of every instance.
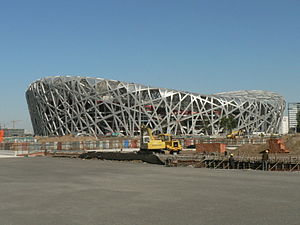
(246, 94)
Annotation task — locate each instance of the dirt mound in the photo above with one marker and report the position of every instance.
(250, 149)
(292, 142)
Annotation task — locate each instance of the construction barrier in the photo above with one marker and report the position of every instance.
(124, 143)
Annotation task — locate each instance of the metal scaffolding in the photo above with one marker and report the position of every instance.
(68, 105)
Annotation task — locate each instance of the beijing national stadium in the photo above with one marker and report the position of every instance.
(64, 105)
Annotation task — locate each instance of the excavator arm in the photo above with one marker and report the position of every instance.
(148, 130)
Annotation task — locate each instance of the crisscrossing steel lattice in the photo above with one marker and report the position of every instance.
(67, 105)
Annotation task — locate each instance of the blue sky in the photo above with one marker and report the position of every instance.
(204, 46)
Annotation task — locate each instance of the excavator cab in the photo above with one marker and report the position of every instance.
(165, 137)
(146, 139)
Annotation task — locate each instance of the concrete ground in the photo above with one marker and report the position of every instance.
(72, 191)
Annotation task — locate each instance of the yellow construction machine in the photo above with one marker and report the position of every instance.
(235, 134)
(164, 143)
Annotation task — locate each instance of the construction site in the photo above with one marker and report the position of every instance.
(151, 179)
(98, 118)
(109, 152)
(73, 180)
(284, 152)
(145, 112)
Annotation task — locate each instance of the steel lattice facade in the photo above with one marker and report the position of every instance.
(68, 105)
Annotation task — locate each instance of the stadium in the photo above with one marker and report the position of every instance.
(64, 105)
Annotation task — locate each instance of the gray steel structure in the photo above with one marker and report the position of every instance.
(66, 105)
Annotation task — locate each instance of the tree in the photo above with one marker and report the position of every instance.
(298, 122)
(229, 123)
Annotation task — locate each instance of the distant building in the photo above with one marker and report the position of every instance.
(284, 126)
(293, 109)
(14, 132)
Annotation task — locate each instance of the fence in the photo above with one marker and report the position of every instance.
(64, 146)
(116, 143)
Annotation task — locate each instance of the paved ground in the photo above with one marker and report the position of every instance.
(42, 191)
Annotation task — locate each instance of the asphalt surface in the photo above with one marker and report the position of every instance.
(42, 191)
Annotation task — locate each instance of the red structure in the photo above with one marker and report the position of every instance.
(1, 135)
(211, 147)
(277, 146)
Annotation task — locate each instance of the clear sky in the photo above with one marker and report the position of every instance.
(204, 46)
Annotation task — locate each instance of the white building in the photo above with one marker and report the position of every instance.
(284, 126)
(293, 109)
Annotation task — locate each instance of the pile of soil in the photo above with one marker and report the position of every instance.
(250, 149)
(292, 142)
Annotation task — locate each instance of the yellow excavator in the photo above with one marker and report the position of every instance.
(235, 134)
(164, 143)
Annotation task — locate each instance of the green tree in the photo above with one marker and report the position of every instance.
(229, 123)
